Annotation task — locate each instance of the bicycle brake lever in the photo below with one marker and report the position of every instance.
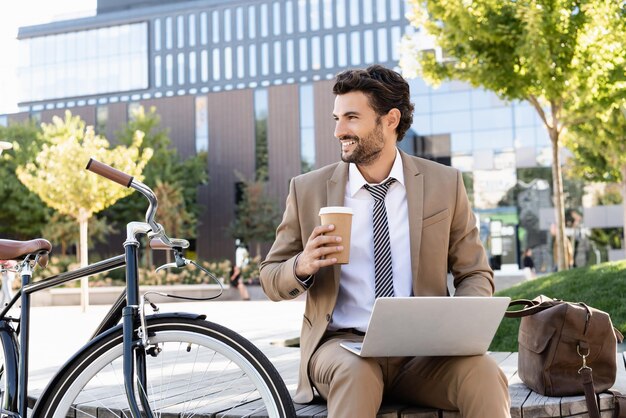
(180, 262)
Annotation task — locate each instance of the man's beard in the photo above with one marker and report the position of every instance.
(366, 149)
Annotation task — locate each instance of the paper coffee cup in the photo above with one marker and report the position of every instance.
(341, 217)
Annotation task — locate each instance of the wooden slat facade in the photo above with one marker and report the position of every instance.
(231, 149)
(178, 115)
(327, 150)
(283, 137)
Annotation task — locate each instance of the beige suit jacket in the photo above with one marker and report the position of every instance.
(443, 235)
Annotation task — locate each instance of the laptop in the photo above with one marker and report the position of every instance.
(430, 326)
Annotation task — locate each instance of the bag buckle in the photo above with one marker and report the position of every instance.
(584, 357)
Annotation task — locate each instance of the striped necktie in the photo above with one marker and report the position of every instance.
(383, 272)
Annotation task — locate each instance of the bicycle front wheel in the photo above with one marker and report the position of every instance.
(195, 368)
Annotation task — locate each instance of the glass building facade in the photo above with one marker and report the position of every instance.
(249, 52)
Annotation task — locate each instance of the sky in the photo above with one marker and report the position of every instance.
(25, 13)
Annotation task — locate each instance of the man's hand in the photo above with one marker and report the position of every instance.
(317, 248)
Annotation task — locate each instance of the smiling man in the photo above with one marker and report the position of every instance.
(422, 211)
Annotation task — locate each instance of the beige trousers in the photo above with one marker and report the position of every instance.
(355, 386)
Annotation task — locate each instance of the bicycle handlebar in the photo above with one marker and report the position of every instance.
(109, 172)
(127, 180)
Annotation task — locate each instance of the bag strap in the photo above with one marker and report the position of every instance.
(531, 307)
(619, 400)
(590, 394)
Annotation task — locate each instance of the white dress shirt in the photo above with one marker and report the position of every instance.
(356, 286)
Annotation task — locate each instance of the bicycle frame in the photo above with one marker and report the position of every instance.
(16, 350)
(126, 308)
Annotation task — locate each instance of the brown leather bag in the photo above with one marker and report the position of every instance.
(560, 343)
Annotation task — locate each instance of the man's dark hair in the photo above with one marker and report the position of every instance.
(385, 90)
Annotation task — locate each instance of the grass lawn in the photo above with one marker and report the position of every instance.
(602, 286)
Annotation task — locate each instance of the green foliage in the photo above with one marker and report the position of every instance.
(261, 151)
(23, 214)
(601, 286)
(58, 175)
(256, 215)
(166, 167)
(547, 52)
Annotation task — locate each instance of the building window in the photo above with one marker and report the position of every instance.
(264, 21)
(203, 29)
(181, 68)
(316, 53)
(303, 51)
(315, 14)
(342, 50)
(307, 128)
(202, 124)
(192, 30)
(228, 63)
(276, 18)
(251, 22)
(355, 48)
(302, 15)
(381, 10)
(368, 39)
(204, 66)
(169, 70)
(216, 64)
(241, 67)
(227, 25)
(215, 18)
(265, 59)
(329, 61)
(340, 6)
(383, 53)
(368, 12)
(157, 34)
(277, 58)
(289, 17)
(192, 67)
(354, 12)
(180, 31)
(239, 23)
(102, 118)
(252, 60)
(396, 34)
(168, 33)
(290, 57)
(261, 150)
(157, 71)
(327, 13)
(395, 9)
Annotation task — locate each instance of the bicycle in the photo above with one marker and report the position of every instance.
(158, 365)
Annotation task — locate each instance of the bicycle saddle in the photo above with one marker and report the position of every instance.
(11, 250)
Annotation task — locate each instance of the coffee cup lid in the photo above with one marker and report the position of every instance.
(336, 209)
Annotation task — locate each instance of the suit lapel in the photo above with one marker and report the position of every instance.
(414, 182)
(335, 194)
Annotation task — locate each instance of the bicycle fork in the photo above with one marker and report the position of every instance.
(134, 360)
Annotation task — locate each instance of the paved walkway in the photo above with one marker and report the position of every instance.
(59, 331)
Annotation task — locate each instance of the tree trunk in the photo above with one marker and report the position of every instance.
(623, 187)
(83, 220)
(557, 182)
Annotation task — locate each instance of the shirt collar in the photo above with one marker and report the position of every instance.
(357, 181)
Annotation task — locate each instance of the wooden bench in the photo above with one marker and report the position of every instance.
(524, 402)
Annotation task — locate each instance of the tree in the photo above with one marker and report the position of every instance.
(532, 50)
(256, 215)
(599, 147)
(165, 167)
(23, 214)
(58, 175)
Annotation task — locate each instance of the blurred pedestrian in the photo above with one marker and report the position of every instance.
(529, 264)
(242, 258)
